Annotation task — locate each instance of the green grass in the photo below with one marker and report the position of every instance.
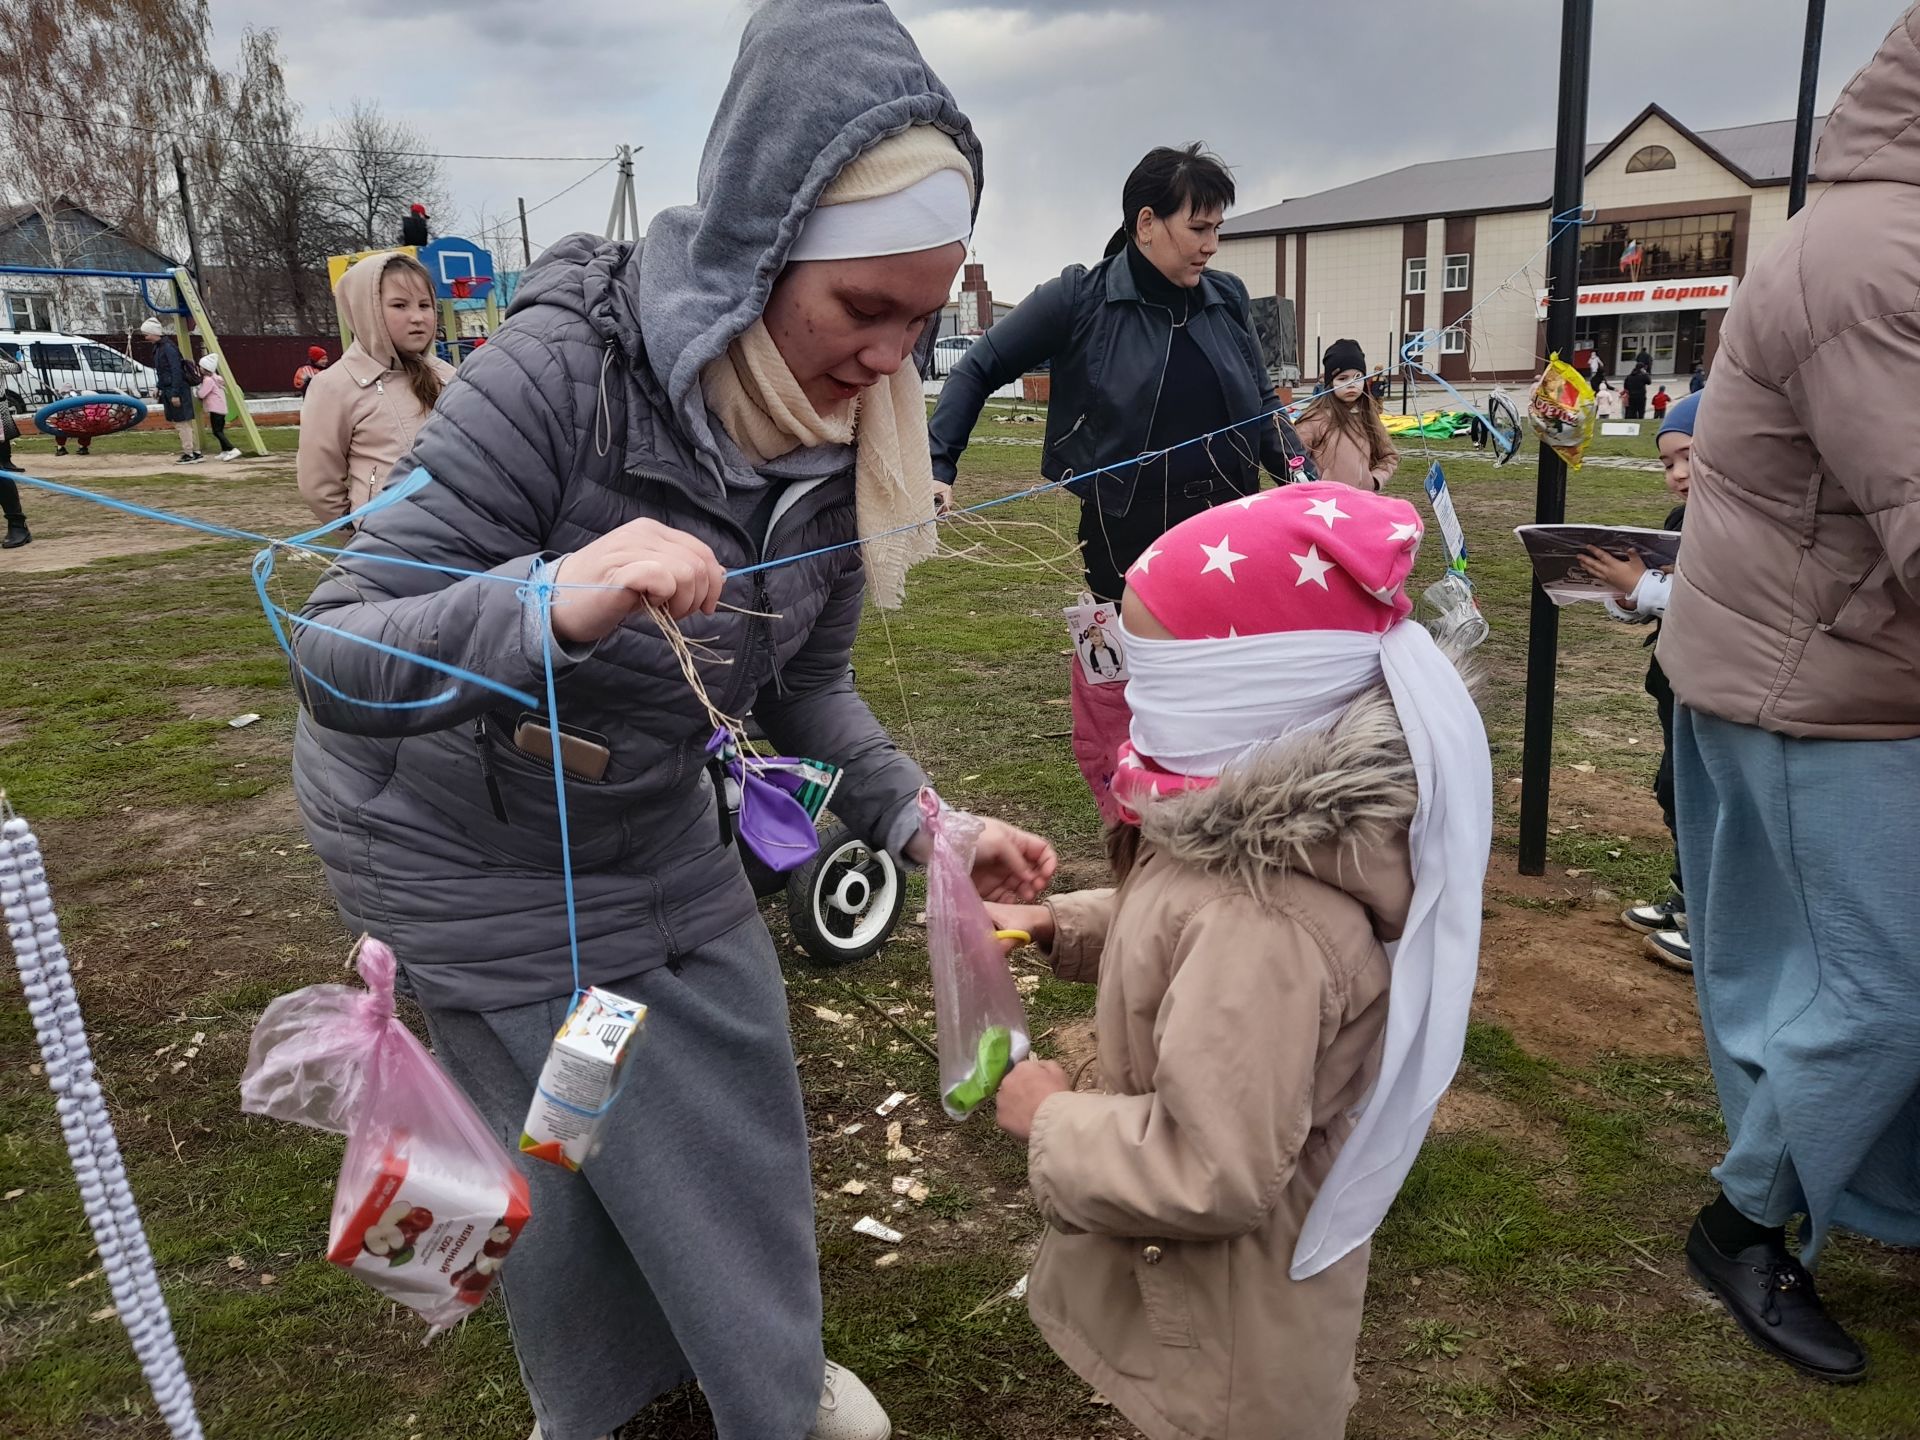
(161, 444)
(1529, 1282)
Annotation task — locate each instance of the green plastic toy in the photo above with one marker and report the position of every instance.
(992, 1059)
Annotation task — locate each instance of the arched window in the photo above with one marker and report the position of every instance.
(1650, 157)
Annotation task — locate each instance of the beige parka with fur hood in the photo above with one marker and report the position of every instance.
(1243, 999)
(359, 415)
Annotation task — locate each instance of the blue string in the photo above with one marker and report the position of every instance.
(539, 588)
(419, 478)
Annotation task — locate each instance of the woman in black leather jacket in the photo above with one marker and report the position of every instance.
(1148, 348)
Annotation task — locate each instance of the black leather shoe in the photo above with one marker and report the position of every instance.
(1773, 1298)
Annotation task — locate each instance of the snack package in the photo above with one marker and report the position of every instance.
(982, 1026)
(1562, 410)
(428, 1203)
(582, 1076)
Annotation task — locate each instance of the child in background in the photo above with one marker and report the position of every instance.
(316, 362)
(1341, 427)
(1640, 598)
(1210, 1209)
(212, 391)
(1660, 402)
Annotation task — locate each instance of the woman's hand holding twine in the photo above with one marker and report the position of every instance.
(643, 563)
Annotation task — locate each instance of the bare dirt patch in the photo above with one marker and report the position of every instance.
(1468, 1111)
(1571, 981)
(254, 495)
(1603, 803)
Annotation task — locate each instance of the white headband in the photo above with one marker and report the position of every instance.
(927, 214)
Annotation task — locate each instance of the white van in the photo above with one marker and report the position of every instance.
(55, 366)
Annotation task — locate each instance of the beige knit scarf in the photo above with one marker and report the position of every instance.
(756, 399)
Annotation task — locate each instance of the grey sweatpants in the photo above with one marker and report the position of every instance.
(685, 1247)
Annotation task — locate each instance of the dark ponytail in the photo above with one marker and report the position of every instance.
(1167, 180)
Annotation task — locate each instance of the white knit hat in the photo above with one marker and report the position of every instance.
(151, 326)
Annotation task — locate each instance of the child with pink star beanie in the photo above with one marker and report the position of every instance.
(1285, 969)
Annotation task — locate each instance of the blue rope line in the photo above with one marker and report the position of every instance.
(419, 478)
(539, 588)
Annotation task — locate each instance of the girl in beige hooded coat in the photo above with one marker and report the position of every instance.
(360, 415)
(1285, 970)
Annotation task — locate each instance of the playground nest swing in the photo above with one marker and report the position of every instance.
(88, 417)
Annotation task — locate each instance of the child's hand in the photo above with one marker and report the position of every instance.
(1619, 575)
(1026, 1085)
(1036, 920)
(1010, 864)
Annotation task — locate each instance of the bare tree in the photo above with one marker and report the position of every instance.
(377, 170)
(95, 105)
(272, 222)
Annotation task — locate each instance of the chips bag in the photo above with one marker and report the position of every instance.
(1562, 410)
(428, 1202)
(982, 1026)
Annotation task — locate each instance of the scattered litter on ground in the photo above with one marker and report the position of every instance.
(892, 1103)
(867, 1225)
(854, 1187)
(240, 722)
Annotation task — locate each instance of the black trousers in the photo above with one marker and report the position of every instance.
(1110, 544)
(217, 422)
(9, 491)
(1663, 777)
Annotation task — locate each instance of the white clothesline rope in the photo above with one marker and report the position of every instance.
(91, 1145)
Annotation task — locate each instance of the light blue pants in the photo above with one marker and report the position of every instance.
(1802, 860)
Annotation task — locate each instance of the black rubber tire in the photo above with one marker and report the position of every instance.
(807, 909)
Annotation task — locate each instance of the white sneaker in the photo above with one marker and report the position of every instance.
(230, 455)
(848, 1410)
(536, 1433)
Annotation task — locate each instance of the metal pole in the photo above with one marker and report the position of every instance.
(616, 213)
(186, 210)
(1803, 117)
(1550, 498)
(526, 245)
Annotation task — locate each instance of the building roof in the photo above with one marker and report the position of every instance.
(1518, 180)
(89, 243)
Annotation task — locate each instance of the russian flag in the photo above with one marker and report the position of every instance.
(1630, 256)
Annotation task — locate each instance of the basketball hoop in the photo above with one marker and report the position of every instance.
(463, 285)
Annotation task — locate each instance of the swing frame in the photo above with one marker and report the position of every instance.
(188, 306)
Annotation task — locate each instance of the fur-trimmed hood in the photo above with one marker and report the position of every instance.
(1335, 804)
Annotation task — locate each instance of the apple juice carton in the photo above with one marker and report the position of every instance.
(581, 1077)
(425, 1235)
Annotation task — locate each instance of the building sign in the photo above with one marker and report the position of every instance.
(1712, 293)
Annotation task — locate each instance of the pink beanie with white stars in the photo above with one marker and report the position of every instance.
(1316, 556)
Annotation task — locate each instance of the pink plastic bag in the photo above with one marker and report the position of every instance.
(982, 1026)
(1100, 720)
(428, 1202)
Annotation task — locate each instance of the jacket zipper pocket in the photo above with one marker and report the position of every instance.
(1075, 430)
(487, 771)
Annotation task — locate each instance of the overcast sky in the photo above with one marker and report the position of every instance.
(1066, 96)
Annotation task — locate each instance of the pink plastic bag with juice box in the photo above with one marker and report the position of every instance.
(428, 1202)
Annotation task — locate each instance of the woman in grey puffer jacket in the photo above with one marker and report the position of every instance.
(582, 435)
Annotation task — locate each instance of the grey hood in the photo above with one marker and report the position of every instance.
(705, 271)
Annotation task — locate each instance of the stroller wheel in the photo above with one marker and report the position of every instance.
(844, 903)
